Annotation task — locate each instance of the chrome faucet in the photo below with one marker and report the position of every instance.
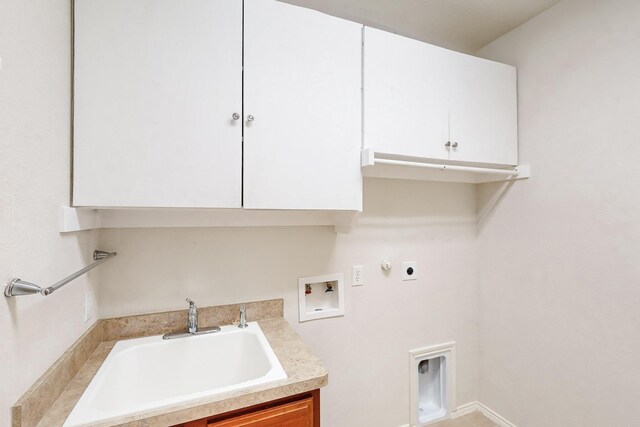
(192, 325)
(243, 317)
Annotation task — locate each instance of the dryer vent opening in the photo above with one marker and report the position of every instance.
(431, 384)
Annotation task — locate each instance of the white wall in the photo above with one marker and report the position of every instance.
(366, 351)
(560, 256)
(34, 182)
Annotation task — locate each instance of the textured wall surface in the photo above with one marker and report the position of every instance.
(551, 283)
(367, 350)
(559, 273)
(34, 182)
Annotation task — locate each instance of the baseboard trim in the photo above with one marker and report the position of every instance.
(465, 409)
(470, 407)
(494, 416)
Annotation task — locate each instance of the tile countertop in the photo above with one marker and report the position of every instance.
(304, 370)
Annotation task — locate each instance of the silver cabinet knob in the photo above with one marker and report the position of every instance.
(235, 116)
(455, 145)
(448, 144)
(250, 118)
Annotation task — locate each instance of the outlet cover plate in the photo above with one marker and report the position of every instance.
(409, 270)
(356, 275)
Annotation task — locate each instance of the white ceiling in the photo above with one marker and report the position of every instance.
(463, 25)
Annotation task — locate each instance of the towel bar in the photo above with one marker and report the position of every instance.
(17, 287)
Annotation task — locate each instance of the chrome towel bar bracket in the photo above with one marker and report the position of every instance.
(18, 287)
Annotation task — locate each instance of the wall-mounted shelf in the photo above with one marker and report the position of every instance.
(77, 219)
(382, 165)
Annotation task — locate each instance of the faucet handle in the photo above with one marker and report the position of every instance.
(192, 317)
(243, 317)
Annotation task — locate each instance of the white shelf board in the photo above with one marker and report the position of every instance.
(380, 165)
(77, 219)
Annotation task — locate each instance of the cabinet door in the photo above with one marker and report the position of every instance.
(295, 414)
(406, 96)
(156, 83)
(302, 78)
(302, 410)
(484, 112)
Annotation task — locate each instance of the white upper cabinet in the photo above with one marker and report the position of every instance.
(406, 105)
(161, 110)
(156, 84)
(263, 105)
(302, 80)
(424, 101)
(483, 105)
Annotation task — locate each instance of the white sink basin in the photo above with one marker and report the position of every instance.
(144, 374)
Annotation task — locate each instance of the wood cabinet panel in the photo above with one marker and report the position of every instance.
(302, 410)
(295, 414)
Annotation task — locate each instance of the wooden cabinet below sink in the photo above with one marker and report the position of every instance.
(302, 410)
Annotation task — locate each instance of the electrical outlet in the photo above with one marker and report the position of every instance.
(409, 270)
(356, 275)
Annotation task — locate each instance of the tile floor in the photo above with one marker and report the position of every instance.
(474, 419)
